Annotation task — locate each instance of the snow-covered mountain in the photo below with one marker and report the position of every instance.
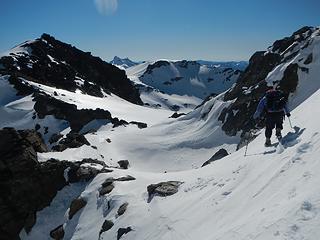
(181, 78)
(123, 63)
(163, 178)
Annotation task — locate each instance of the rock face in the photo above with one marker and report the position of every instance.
(251, 85)
(218, 155)
(26, 185)
(163, 189)
(54, 63)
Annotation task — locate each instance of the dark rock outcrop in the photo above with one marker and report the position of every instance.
(122, 231)
(109, 181)
(123, 164)
(72, 140)
(57, 233)
(76, 205)
(77, 118)
(106, 189)
(122, 209)
(106, 226)
(58, 64)
(218, 155)
(139, 124)
(26, 186)
(125, 179)
(78, 172)
(176, 115)
(107, 186)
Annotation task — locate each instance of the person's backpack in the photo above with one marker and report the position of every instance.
(276, 101)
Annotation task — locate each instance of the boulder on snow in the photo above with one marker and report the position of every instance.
(139, 124)
(108, 186)
(106, 189)
(126, 178)
(218, 155)
(76, 205)
(122, 231)
(122, 208)
(123, 164)
(163, 189)
(176, 115)
(57, 233)
(109, 181)
(106, 226)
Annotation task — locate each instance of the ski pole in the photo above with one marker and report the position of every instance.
(290, 122)
(247, 136)
(245, 152)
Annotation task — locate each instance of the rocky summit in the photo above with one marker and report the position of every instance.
(54, 63)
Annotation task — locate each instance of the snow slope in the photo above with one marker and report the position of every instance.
(170, 145)
(264, 195)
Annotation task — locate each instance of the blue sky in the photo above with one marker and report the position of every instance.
(152, 29)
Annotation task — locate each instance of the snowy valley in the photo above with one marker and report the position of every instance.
(157, 150)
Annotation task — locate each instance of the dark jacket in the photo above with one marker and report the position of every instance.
(262, 106)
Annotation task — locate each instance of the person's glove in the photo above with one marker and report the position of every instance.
(288, 114)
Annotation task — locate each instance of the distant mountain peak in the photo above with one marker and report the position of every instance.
(123, 62)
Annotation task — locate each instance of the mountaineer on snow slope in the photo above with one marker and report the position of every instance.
(272, 107)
